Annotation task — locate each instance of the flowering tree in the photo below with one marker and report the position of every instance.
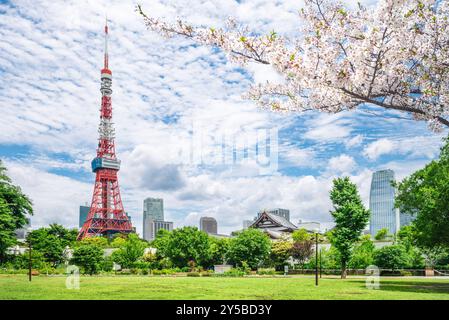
(395, 56)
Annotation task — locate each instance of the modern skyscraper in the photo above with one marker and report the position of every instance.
(284, 213)
(153, 218)
(208, 225)
(381, 203)
(153, 208)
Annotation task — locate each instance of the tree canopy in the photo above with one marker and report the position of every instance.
(425, 195)
(14, 209)
(350, 218)
(251, 246)
(393, 56)
(187, 244)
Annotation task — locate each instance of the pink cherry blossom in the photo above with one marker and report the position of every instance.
(394, 55)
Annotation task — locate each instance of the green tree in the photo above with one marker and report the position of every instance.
(362, 254)
(89, 257)
(161, 242)
(301, 235)
(218, 247)
(382, 234)
(101, 242)
(391, 257)
(130, 252)
(280, 252)
(51, 241)
(302, 250)
(187, 244)
(350, 218)
(251, 246)
(425, 194)
(407, 237)
(14, 208)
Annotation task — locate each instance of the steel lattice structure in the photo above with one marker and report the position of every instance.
(106, 215)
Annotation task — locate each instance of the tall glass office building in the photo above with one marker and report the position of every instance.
(153, 218)
(153, 208)
(381, 203)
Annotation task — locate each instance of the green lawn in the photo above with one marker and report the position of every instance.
(146, 287)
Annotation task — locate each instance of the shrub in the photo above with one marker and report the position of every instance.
(391, 257)
(157, 272)
(231, 273)
(266, 271)
(193, 274)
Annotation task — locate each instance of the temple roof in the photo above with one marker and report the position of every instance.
(273, 222)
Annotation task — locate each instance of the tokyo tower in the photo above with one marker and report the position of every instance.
(106, 215)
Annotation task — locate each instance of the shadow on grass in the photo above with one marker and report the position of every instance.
(411, 286)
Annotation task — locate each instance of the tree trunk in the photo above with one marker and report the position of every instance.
(344, 272)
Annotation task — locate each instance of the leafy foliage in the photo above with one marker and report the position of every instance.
(425, 194)
(51, 242)
(14, 208)
(350, 218)
(130, 252)
(88, 257)
(218, 247)
(186, 244)
(362, 254)
(302, 250)
(280, 252)
(251, 246)
(382, 234)
(392, 56)
(391, 257)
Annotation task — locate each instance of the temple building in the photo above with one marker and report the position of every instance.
(274, 225)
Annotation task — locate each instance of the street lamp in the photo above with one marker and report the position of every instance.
(316, 258)
(317, 231)
(29, 260)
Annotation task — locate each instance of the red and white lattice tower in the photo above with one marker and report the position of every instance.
(106, 215)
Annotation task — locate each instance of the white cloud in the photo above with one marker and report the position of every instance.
(378, 148)
(414, 147)
(354, 141)
(342, 164)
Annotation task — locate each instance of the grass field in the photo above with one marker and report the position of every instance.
(173, 288)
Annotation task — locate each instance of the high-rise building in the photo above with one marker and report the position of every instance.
(84, 211)
(153, 218)
(208, 225)
(381, 203)
(153, 208)
(284, 213)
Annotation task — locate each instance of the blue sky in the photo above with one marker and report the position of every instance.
(50, 59)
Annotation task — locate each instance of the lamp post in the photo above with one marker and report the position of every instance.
(316, 258)
(29, 259)
(321, 264)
